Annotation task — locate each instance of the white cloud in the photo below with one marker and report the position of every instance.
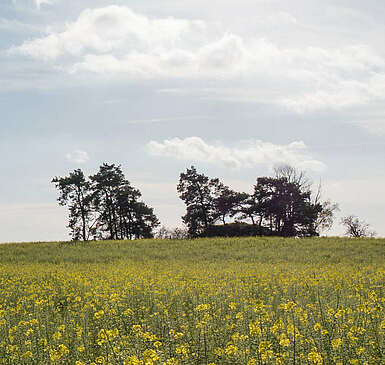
(39, 3)
(16, 26)
(117, 41)
(78, 156)
(248, 154)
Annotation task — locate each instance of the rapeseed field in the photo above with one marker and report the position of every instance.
(205, 301)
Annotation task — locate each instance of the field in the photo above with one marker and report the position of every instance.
(207, 301)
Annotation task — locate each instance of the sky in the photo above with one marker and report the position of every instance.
(234, 88)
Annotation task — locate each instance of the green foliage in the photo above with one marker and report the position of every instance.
(280, 206)
(105, 206)
(74, 191)
(199, 194)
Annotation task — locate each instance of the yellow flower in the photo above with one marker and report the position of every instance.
(317, 327)
(360, 351)
(289, 306)
(337, 343)
(255, 330)
(202, 307)
(231, 350)
(57, 354)
(284, 341)
(81, 348)
(98, 315)
(132, 360)
(171, 361)
(28, 354)
(128, 312)
(157, 344)
(315, 357)
(57, 336)
(219, 351)
(182, 350)
(150, 354)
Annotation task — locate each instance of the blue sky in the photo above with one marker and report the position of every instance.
(233, 87)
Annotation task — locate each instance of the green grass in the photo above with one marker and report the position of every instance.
(315, 251)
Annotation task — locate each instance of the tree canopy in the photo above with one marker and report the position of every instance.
(283, 205)
(105, 205)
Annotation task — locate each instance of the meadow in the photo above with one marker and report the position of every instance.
(204, 301)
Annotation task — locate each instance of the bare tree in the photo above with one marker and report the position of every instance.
(326, 216)
(293, 175)
(356, 228)
(172, 233)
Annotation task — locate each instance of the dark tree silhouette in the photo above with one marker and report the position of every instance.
(199, 194)
(286, 209)
(121, 214)
(106, 206)
(326, 216)
(106, 185)
(228, 204)
(74, 192)
(280, 205)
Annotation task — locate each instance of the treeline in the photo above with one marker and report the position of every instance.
(283, 205)
(106, 206)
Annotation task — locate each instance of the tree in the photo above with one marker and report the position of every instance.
(106, 185)
(136, 219)
(121, 214)
(228, 203)
(172, 233)
(285, 207)
(293, 175)
(106, 206)
(144, 222)
(74, 191)
(199, 193)
(326, 216)
(356, 228)
(280, 205)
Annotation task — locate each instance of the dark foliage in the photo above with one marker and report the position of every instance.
(279, 206)
(105, 206)
(236, 229)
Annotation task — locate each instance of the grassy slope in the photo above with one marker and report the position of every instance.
(314, 251)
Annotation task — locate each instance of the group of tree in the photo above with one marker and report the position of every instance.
(104, 205)
(282, 205)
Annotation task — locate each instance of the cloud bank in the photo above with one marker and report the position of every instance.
(248, 154)
(115, 40)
